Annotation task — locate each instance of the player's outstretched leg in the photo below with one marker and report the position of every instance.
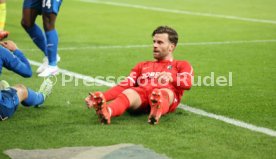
(38, 98)
(52, 44)
(98, 102)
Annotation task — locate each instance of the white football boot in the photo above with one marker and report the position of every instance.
(44, 65)
(49, 71)
(46, 88)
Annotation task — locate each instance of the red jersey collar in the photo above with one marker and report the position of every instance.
(164, 61)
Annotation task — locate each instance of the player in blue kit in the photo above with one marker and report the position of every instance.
(13, 59)
(46, 41)
(10, 97)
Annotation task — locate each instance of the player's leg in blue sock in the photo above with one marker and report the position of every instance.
(38, 37)
(49, 15)
(28, 97)
(33, 98)
(52, 44)
(34, 31)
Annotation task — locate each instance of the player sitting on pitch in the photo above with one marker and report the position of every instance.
(152, 86)
(10, 97)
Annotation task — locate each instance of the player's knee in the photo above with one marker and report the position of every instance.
(48, 26)
(20, 87)
(22, 91)
(25, 24)
(133, 97)
(49, 20)
(130, 93)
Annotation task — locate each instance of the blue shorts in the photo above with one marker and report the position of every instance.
(8, 103)
(43, 6)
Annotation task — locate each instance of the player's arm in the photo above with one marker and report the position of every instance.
(184, 77)
(10, 45)
(15, 61)
(24, 65)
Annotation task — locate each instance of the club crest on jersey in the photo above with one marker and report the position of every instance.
(169, 67)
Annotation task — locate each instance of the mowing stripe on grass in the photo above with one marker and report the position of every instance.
(182, 11)
(235, 122)
(148, 45)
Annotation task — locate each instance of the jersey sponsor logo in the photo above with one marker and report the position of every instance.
(150, 75)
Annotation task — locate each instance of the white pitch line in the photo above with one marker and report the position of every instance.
(148, 45)
(181, 11)
(77, 75)
(235, 122)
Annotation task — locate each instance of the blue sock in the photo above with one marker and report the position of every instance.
(33, 99)
(52, 44)
(38, 38)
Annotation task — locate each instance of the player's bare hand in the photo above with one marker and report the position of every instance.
(10, 45)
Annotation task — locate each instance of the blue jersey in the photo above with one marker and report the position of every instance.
(15, 62)
(8, 103)
(43, 6)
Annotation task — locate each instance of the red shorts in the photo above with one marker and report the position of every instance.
(145, 98)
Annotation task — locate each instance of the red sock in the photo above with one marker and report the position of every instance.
(119, 105)
(165, 104)
(113, 92)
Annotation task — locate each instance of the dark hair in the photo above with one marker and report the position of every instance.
(173, 36)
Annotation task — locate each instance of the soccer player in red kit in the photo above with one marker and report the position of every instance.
(152, 86)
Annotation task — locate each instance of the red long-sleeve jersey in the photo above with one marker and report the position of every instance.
(145, 75)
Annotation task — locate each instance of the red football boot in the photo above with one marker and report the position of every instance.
(156, 107)
(4, 34)
(99, 104)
